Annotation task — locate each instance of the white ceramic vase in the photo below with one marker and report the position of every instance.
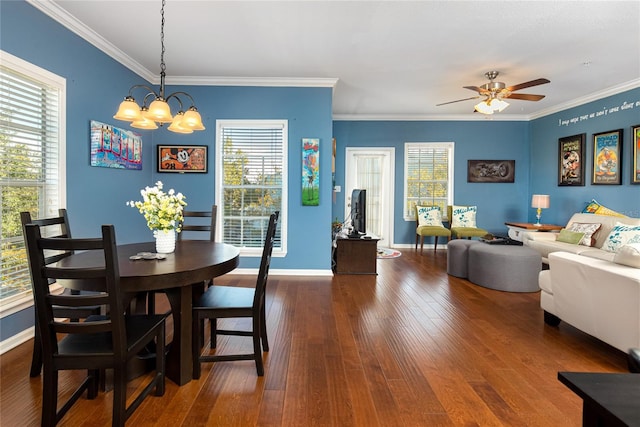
(165, 241)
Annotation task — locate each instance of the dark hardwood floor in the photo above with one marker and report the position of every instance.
(409, 347)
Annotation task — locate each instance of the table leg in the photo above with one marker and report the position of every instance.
(179, 364)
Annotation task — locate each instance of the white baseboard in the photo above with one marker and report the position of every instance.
(16, 340)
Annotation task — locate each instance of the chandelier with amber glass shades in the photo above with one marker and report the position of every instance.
(158, 111)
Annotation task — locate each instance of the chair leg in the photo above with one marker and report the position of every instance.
(421, 244)
(160, 362)
(196, 347)
(257, 350)
(417, 237)
(213, 325)
(435, 243)
(119, 396)
(36, 358)
(92, 389)
(263, 330)
(49, 397)
(151, 302)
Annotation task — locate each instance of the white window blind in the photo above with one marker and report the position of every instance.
(252, 173)
(31, 165)
(428, 176)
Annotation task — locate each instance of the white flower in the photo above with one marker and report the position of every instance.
(162, 211)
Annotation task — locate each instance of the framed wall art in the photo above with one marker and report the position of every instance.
(571, 160)
(113, 147)
(182, 158)
(491, 170)
(607, 158)
(310, 172)
(635, 161)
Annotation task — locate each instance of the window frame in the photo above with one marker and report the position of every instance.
(219, 191)
(409, 214)
(23, 300)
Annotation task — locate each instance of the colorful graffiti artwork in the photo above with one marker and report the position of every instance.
(112, 147)
(310, 172)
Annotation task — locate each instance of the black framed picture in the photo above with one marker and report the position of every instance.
(607, 158)
(571, 160)
(491, 170)
(182, 158)
(635, 160)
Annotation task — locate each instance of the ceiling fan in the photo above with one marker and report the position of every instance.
(496, 92)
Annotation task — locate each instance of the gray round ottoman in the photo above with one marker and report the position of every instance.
(457, 257)
(505, 267)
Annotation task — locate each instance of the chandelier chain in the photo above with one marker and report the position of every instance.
(162, 65)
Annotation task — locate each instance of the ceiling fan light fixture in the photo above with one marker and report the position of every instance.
(490, 106)
(484, 107)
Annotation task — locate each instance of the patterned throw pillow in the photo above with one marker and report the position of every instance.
(621, 235)
(589, 229)
(430, 216)
(463, 216)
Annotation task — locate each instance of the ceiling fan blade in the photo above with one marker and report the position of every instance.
(535, 82)
(525, 97)
(474, 88)
(458, 100)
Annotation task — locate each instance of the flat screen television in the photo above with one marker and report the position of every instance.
(358, 212)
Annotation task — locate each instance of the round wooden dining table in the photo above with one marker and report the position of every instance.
(192, 263)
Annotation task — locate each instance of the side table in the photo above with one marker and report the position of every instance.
(517, 228)
(609, 399)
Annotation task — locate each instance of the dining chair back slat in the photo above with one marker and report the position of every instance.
(198, 225)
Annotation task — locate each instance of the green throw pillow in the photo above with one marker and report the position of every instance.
(568, 236)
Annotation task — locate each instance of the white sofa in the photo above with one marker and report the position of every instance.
(598, 297)
(590, 288)
(546, 243)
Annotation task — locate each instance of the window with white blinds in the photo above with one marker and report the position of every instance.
(251, 182)
(31, 162)
(428, 171)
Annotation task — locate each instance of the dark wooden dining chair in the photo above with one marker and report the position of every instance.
(235, 302)
(101, 342)
(55, 227)
(197, 223)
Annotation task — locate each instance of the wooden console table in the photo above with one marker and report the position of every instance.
(609, 399)
(517, 228)
(355, 256)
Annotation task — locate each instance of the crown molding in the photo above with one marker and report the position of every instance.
(253, 81)
(431, 117)
(633, 84)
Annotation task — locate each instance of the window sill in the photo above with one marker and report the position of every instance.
(12, 305)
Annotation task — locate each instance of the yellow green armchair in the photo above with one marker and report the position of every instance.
(466, 228)
(429, 223)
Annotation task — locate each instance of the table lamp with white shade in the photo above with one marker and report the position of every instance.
(539, 201)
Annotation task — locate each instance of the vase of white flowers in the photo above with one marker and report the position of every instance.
(163, 213)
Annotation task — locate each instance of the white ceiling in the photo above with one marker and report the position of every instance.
(388, 59)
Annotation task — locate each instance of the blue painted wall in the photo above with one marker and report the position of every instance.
(594, 117)
(487, 139)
